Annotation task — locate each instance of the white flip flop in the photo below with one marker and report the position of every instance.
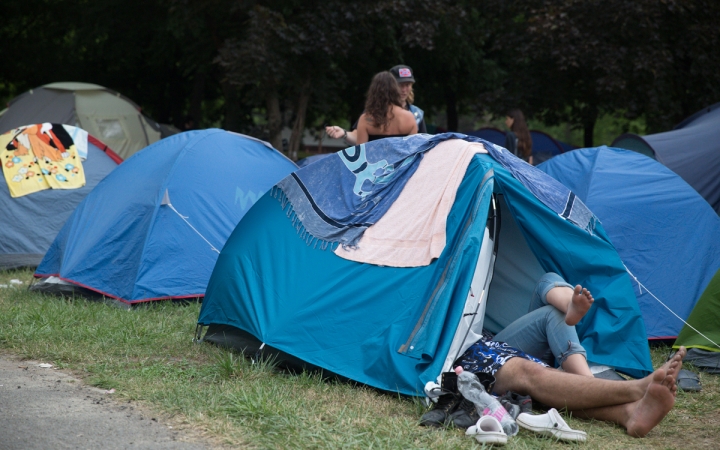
(488, 430)
(550, 424)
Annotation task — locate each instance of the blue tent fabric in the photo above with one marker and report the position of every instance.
(366, 179)
(566, 147)
(544, 146)
(30, 223)
(664, 231)
(544, 143)
(493, 135)
(126, 239)
(692, 150)
(391, 328)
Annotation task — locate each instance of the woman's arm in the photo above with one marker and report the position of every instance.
(337, 132)
(351, 138)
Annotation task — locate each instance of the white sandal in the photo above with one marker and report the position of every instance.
(488, 431)
(550, 424)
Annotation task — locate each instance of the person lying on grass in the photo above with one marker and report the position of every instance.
(518, 358)
(636, 405)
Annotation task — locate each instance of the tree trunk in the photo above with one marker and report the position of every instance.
(589, 120)
(272, 103)
(197, 97)
(233, 114)
(451, 109)
(588, 132)
(299, 125)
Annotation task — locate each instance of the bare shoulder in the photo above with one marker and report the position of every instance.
(402, 113)
(407, 119)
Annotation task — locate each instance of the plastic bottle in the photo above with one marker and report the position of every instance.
(486, 405)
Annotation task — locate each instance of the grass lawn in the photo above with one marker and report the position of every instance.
(147, 355)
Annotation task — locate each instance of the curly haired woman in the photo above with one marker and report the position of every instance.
(384, 115)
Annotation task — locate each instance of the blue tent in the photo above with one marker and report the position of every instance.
(566, 147)
(154, 227)
(490, 134)
(30, 223)
(664, 231)
(544, 146)
(691, 150)
(397, 328)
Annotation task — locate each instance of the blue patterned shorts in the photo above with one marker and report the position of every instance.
(488, 356)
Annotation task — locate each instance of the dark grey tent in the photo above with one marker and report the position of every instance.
(112, 118)
(691, 150)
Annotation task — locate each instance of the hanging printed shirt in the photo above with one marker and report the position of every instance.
(42, 156)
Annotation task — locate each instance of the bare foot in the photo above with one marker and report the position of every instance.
(678, 357)
(672, 367)
(657, 402)
(581, 302)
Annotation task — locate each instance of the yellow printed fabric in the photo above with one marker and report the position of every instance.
(38, 157)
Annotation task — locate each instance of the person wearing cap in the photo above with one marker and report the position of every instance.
(405, 77)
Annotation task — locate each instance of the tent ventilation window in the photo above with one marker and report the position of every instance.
(111, 129)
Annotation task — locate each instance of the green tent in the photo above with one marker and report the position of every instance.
(113, 119)
(705, 318)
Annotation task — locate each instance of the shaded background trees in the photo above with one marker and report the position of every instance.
(259, 66)
(574, 60)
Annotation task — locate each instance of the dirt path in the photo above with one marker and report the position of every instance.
(43, 408)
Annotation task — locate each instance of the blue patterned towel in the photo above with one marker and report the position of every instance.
(335, 199)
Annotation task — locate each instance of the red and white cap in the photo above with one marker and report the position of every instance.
(403, 74)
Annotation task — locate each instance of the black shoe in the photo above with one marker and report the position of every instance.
(465, 415)
(440, 414)
(515, 403)
(525, 402)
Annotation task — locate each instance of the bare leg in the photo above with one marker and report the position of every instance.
(575, 303)
(565, 390)
(638, 405)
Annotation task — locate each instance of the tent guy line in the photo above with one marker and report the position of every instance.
(642, 286)
(166, 202)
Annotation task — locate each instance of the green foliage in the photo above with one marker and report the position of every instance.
(575, 61)
(607, 128)
(456, 71)
(566, 63)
